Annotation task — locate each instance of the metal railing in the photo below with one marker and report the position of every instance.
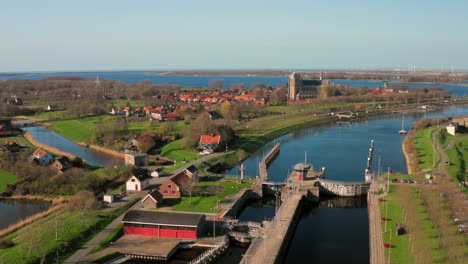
(211, 253)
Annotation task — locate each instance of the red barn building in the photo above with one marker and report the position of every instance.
(163, 224)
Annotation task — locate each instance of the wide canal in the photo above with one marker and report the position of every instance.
(336, 231)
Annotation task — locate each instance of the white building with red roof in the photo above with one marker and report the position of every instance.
(42, 157)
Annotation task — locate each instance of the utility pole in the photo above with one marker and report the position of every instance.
(390, 248)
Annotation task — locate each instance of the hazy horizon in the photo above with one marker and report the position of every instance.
(63, 36)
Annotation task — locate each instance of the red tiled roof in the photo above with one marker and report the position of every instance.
(170, 115)
(39, 153)
(207, 139)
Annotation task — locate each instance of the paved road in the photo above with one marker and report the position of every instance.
(80, 256)
(377, 255)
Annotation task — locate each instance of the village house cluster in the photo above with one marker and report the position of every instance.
(195, 101)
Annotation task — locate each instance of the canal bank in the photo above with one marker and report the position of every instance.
(330, 232)
(53, 142)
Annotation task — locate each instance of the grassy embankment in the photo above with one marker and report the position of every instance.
(420, 243)
(440, 202)
(71, 235)
(427, 154)
(458, 157)
(216, 192)
(6, 178)
(80, 130)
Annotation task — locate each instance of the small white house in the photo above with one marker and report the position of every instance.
(138, 182)
(156, 173)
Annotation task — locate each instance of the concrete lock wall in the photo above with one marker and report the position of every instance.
(343, 188)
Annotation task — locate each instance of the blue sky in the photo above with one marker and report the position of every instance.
(62, 35)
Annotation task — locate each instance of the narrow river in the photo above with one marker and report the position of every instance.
(336, 230)
(49, 137)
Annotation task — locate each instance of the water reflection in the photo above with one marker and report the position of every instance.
(48, 137)
(14, 210)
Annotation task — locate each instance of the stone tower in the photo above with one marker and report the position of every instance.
(294, 85)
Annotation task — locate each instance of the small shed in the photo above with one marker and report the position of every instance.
(136, 159)
(157, 172)
(108, 198)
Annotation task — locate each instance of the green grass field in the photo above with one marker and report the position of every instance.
(78, 130)
(39, 238)
(430, 234)
(207, 204)
(6, 178)
(458, 156)
(401, 251)
(175, 152)
(426, 152)
(49, 115)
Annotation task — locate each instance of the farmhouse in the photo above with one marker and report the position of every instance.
(41, 157)
(461, 120)
(163, 224)
(173, 187)
(61, 164)
(192, 172)
(207, 141)
(152, 199)
(138, 181)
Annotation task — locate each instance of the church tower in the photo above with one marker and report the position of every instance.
(294, 86)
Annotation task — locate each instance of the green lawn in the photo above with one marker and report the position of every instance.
(39, 238)
(401, 251)
(175, 152)
(78, 130)
(458, 156)
(6, 178)
(208, 203)
(49, 115)
(430, 233)
(426, 152)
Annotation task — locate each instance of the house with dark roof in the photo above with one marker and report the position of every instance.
(152, 199)
(207, 141)
(192, 172)
(212, 115)
(173, 187)
(42, 157)
(163, 224)
(61, 164)
(138, 181)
